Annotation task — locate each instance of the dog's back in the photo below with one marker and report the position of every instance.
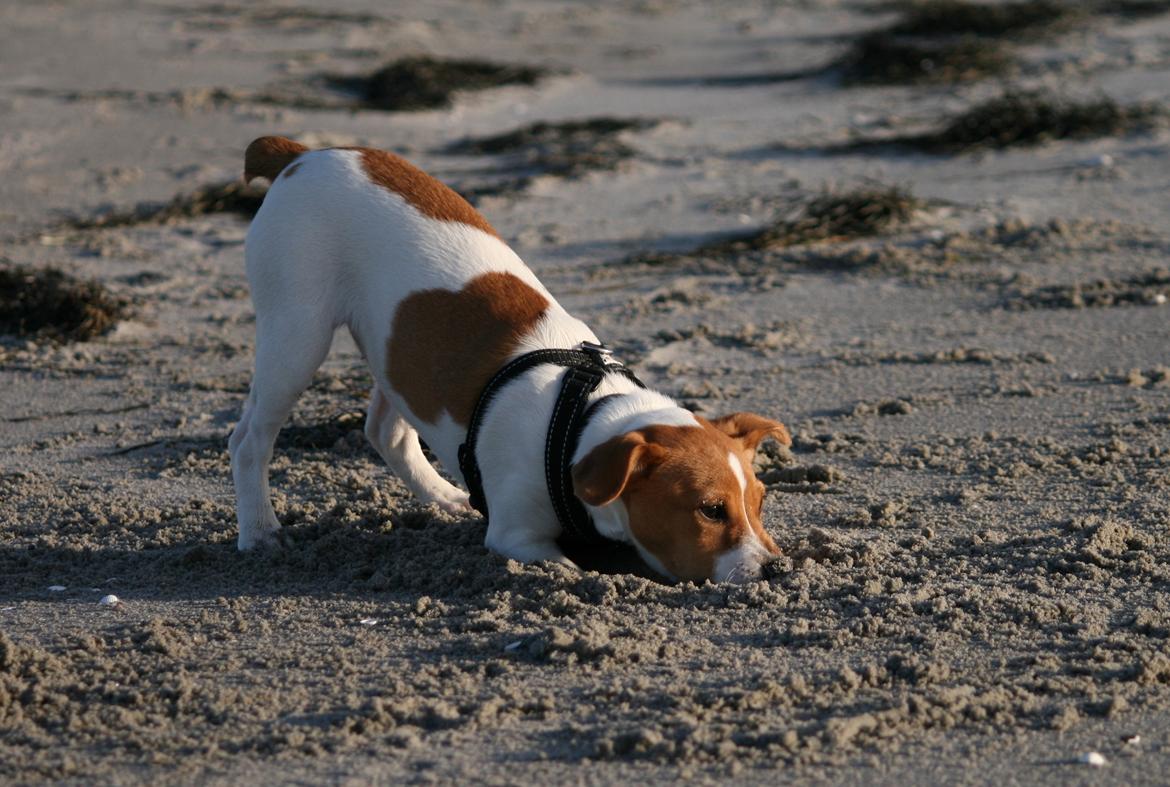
(435, 299)
(359, 229)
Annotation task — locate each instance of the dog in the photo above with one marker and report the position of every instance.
(438, 304)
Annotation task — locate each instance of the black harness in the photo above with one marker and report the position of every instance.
(586, 367)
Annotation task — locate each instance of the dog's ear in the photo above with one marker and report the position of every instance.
(751, 430)
(605, 472)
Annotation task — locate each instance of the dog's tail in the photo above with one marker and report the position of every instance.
(267, 156)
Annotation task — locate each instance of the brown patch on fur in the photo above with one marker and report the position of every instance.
(267, 156)
(446, 345)
(665, 474)
(426, 194)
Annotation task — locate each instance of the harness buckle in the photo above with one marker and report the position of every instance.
(601, 355)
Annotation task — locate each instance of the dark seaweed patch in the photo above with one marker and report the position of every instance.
(852, 214)
(962, 17)
(568, 132)
(948, 41)
(234, 197)
(424, 82)
(1149, 289)
(885, 58)
(1030, 118)
(409, 84)
(1135, 9)
(568, 149)
(50, 303)
(1019, 118)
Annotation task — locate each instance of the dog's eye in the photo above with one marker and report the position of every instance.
(716, 512)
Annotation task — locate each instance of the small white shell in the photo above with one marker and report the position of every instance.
(368, 621)
(1093, 759)
(109, 600)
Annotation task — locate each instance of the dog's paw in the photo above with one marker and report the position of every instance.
(455, 503)
(263, 540)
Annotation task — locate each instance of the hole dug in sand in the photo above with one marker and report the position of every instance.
(53, 304)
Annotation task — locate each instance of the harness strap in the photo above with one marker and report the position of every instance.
(586, 368)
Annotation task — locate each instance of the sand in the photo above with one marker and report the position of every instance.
(974, 515)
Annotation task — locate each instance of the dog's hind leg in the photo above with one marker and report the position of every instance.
(289, 349)
(397, 442)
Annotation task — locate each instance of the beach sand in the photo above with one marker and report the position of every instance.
(975, 513)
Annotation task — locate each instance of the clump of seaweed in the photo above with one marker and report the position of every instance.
(1021, 118)
(568, 149)
(233, 197)
(49, 303)
(963, 17)
(1135, 9)
(852, 214)
(425, 82)
(1034, 117)
(947, 41)
(887, 58)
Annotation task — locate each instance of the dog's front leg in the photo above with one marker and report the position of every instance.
(510, 534)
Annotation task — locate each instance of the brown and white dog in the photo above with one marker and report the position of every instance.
(437, 302)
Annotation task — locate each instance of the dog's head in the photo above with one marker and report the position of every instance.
(687, 494)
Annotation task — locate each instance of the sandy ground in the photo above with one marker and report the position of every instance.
(975, 515)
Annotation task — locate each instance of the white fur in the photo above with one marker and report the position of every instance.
(329, 248)
(743, 561)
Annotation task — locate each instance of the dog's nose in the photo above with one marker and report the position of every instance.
(771, 569)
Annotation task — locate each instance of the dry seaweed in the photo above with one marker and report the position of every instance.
(962, 17)
(568, 149)
(562, 149)
(852, 214)
(586, 130)
(233, 197)
(1135, 9)
(1034, 117)
(408, 84)
(1019, 118)
(49, 303)
(887, 58)
(424, 82)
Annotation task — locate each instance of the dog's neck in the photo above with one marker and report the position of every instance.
(631, 409)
